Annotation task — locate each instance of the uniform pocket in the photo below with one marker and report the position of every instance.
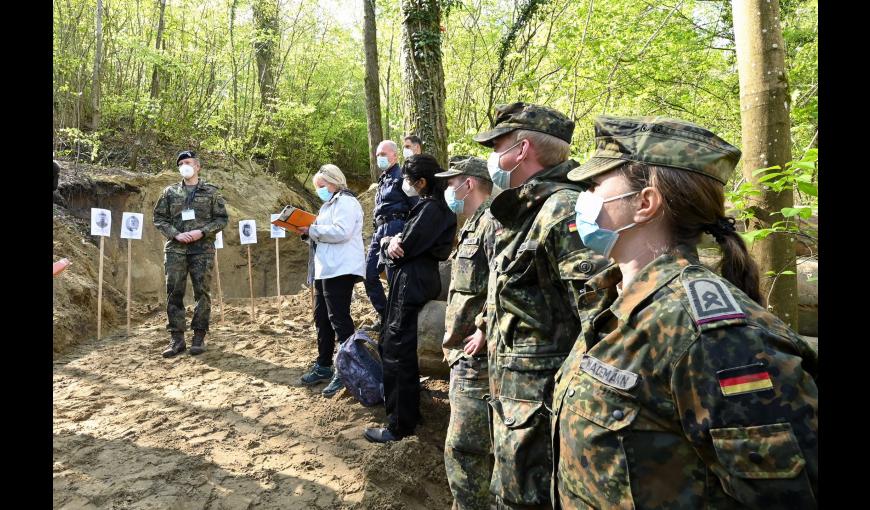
(761, 452)
(523, 454)
(592, 460)
(470, 274)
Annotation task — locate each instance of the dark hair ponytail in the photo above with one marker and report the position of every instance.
(694, 204)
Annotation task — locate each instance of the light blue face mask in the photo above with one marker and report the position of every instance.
(500, 177)
(383, 164)
(597, 239)
(324, 193)
(457, 205)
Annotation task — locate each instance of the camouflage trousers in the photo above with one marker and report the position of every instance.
(177, 266)
(468, 447)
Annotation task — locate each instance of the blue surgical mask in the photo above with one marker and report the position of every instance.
(383, 164)
(597, 239)
(500, 177)
(324, 193)
(457, 205)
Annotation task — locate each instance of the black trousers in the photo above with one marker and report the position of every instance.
(332, 314)
(398, 350)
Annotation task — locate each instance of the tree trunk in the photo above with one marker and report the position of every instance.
(266, 22)
(424, 94)
(98, 59)
(766, 134)
(373, 96)
(155, 77)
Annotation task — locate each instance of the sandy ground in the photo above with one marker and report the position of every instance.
(232, 428)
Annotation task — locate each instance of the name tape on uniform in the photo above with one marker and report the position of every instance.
(608, 374)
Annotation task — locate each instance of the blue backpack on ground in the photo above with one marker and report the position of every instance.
(359, 365)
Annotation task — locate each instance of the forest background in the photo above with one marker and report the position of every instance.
(282, 82)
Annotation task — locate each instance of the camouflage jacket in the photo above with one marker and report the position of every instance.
(685, 393)
(467, 294)
(210, 216)
(535, 293)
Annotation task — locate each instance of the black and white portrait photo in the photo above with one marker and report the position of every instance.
(131, 225)
(248, 231)
(276, 231)
(101, 222)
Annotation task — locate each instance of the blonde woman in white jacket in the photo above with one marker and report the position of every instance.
(339, 263)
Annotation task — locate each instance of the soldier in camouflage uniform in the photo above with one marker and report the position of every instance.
(535, 293)
(468, 447)
(189, 214)
(685, 392)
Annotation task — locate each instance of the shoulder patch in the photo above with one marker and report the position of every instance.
(711, 301)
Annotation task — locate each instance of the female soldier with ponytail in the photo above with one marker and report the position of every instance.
(686, 392)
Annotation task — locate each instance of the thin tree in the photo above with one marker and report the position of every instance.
(373, 96)
(424, 94)
(98, 58)
(765, 124)
(155, 77)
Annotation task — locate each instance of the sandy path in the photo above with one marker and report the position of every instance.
(232, 428)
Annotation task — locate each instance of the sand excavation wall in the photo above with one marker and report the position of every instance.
(249, 194)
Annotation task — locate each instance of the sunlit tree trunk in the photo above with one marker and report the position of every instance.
(764, 115)
(373, 96)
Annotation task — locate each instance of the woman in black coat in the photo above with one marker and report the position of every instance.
(414, 255)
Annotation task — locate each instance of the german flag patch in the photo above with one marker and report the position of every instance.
(739, 380)
(572, 227)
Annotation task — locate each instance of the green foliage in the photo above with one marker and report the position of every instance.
(798, 177)
(623, 57)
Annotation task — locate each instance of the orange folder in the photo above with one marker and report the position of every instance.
(292, 218)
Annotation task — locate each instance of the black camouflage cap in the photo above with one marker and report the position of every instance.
(531, 117)
(660, 141)
(466, 165)
(184, 155)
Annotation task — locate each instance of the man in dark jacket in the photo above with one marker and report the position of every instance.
(391, 210)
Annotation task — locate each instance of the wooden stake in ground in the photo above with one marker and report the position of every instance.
(101, 225)
(277, 233)
(251, 285)
(100, 294)
(218, 244)
(248, 235)
(129, 279)
(131, 228)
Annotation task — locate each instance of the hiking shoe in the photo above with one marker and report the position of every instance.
(380, 435)
(334, 386)
(317, 374)
(176, 345)
(198, 346)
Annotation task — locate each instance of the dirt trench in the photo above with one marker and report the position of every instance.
(232, 428)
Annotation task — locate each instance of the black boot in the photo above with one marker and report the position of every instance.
(176, 345)
(198, 346)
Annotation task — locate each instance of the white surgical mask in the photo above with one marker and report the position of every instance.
(408, 189)
(407, 153)
(500, 177)
(186, 171)
(383, 164)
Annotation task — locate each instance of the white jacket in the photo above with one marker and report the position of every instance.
(338, 234)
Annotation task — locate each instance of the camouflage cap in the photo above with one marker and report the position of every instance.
(658, 141)
(466, 165)
(531, 117)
